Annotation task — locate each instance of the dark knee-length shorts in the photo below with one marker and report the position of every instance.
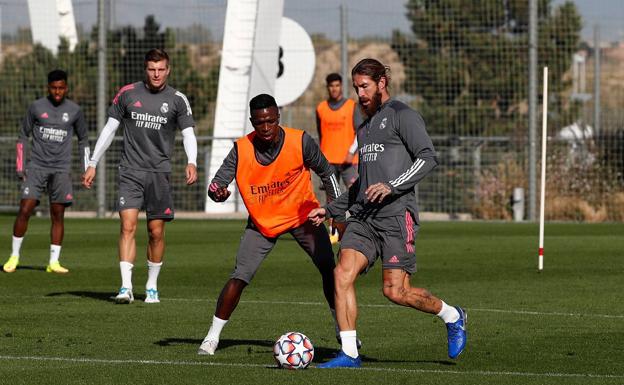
(390, 238)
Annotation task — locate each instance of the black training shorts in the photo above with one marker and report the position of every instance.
(57, 183)
(145, 189)
(391, 238)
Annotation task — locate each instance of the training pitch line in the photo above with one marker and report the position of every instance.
(241, 365)
(70, 296)
(526, 312)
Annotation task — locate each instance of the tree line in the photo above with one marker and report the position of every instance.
(24, 75)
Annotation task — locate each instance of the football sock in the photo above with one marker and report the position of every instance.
(153, 269)
(349, 343)
(448, 313)
(215, 328)
(17, 245)
(126, 274)
(55, 253)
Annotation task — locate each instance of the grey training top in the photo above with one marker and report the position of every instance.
(394, 149)
(313, 159)
(149, 121)
(52, 129)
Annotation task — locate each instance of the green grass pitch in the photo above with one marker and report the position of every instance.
(562, 326)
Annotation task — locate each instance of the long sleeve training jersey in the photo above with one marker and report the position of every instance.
(395, 149)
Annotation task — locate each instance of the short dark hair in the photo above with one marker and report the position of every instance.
(56, 75)
(372, 68)
(155, 54)
(261, 101)
(332, 78)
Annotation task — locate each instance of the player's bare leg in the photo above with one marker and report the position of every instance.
(156, 244)
(57, 232)
(397, 288)
(350, 264)
(19, 230)
(127, 253)
(57, 216)
(127, 245)
(27, 206)
(155, 253)
(229, 298)
(314, 241)
(227, 302)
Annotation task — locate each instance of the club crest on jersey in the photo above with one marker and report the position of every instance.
(65, 117)
(164, 108)
(382, 125)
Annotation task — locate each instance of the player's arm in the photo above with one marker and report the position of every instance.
(217, 190)
(22, 145)
(80, 127)
(318, 126)
(352, 151)
(358, 119)
(103, 143)
(411, 129)
(335, 209)
(116, 113)
(190, 148)
(184, 116)
(314, 159)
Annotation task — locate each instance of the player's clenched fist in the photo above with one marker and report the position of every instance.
(218, 193)
(317, 216)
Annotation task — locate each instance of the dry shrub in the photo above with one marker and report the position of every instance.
(577, 188)
(493, 196)
(573, 208)
(616, 207)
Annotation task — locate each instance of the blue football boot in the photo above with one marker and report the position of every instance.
(456, 332)
(341, 361)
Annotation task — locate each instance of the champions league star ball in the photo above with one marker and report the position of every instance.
(293, 350)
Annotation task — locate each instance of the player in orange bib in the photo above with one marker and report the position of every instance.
(337, 121)
(272, 166)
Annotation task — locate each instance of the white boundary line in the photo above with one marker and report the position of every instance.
(303, 303)
(241, 365)
(524, 312)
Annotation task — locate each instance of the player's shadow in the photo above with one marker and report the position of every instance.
(105, 296)
(435, 362)
(223, 344)
(322, 354)
(39, 268)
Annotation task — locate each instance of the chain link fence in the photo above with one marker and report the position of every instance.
(463, 64)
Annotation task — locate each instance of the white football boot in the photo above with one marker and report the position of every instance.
(208, 347)
(151, 296)
(124, 296)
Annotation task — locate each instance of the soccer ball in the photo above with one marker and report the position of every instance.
(293, 350)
